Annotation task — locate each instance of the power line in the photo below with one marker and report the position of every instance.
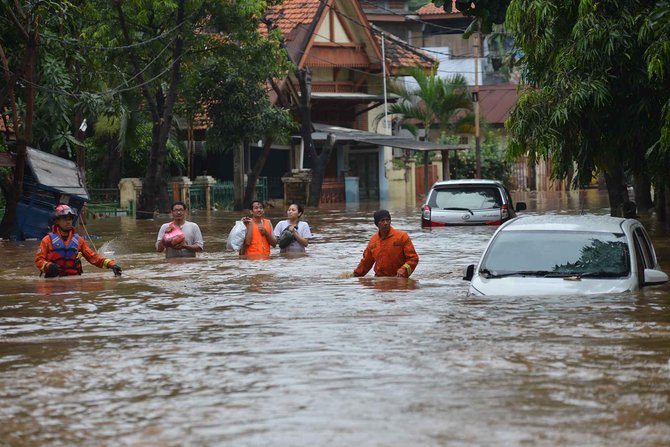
(413, 19)
(75, 43)
(376, 30)
(410, 18)
(120, 89)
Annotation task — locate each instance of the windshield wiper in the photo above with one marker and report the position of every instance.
(601, 274)
(548, 274)
(459, 209)
(489, 274)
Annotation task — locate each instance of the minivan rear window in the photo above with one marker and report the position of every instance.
(466, 197)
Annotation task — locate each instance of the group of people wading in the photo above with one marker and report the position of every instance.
(390, 250)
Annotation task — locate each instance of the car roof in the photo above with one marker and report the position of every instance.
(568, 222)
(468, 182)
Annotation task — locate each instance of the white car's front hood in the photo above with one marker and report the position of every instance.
(517, 285)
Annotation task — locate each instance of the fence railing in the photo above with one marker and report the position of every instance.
(104, 195)
(223, 196)
(105, 202)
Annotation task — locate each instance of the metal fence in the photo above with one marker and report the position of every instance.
(223, 196)
(105, 202)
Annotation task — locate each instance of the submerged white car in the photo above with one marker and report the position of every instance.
(565, 255)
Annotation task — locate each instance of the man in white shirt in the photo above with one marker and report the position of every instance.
(193, 242)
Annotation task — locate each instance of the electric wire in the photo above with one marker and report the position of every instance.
(119, 89)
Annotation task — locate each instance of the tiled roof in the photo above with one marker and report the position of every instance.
(496, 101)
(400, 54)
(430, 9)
(292, 14)
(293, 18)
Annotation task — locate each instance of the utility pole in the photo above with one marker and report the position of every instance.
(387, 128)
(475, 99)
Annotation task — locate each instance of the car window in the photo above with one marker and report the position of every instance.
(642, 239)
(466, 197)
(559, 252)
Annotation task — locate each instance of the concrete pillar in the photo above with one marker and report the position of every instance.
(206, 182)
(410, 180)
(129, 191)
(181, 188)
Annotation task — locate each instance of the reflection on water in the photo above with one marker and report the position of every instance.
(221, 350)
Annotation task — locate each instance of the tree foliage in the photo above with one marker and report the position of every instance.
(192, 58)
(20, 45)
(485, 13)
(591, 101)
(433, 102)
(656, 28)
(463, 164)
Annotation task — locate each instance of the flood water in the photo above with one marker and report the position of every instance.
(285, 352)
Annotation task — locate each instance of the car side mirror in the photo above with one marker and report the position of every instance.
(652, 277)
(520, 206)
(469, 272)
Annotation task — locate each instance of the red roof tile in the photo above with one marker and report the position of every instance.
(400, 54)
(496, 101)
(431, 9)
(291, 14)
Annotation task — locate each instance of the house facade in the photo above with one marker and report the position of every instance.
(438, 31)
(350, 61)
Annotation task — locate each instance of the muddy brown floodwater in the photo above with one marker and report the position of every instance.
(224, 351)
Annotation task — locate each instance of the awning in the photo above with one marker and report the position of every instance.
(57, 173)
(343, 135)
(354, 97)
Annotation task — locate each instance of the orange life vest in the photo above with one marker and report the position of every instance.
(259, 244)
(65, 256)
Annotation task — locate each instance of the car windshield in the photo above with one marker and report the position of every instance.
(466, 198)
(557, 253)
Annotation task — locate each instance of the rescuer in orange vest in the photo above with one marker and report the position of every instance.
(391, 251)
(61, 249)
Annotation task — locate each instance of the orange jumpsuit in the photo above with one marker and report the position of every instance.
(42, 261)
(259, 244)
(388, 255)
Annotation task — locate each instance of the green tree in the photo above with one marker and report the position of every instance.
(656, 28)
(232, 83)
(155, 40)
(463, 163)
(20, 46)
(435, 102)
(591, 102)
(484, 13)
(165, 48)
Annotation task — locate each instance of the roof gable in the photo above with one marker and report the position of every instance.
(338, 23)
(332, 29)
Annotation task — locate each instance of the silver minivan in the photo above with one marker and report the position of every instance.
(468, 202)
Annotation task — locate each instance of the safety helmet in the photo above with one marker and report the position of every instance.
(63, 210)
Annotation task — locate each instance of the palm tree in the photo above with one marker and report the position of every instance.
(435, 102)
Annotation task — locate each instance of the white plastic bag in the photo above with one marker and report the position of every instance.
(236, 236)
